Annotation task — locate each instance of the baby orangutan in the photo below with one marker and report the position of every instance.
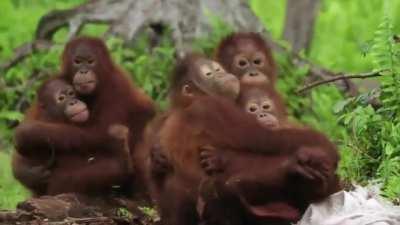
(199, 118)
(264, 103)
(247, 56)
(173, 162)
(58, 104)
(258, 188)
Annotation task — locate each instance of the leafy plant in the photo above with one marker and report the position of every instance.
(375, 137)
(124, 213)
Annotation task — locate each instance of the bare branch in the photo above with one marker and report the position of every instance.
(340, 77)
(24, 51)
(52, 22)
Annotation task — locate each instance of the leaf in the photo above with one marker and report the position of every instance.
(389, 149)
(339, 106)
(11, 115)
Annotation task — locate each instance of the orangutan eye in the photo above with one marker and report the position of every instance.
(208, 74)
(77, 61)
(242, 63)
(266, 106)
(71, 93)
(91, 62)
(252, 108)
(61, 98)
(257, 61)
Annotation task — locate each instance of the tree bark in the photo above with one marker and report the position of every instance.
(299, 23)
(127, 18)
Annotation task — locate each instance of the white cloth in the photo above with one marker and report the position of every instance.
(359, 207)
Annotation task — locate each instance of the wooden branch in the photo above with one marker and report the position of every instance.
(50, 23)
(339, 77)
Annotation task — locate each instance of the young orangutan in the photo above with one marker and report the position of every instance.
(248, 57)
(59, 104)
(265, 188)
(199, 119)
(264, 103)
(112, 99)
(194, 76)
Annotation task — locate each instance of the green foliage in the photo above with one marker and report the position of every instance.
(343, 30)
(375, 132)
(150, 68)
(124, 213)
(315, 109)
(20, 83)
(207, 44)
(17, 26)
(344, 40)
(150, 212)
(271, 14)
(19, 19)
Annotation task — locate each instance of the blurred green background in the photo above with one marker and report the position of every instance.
(350, 36)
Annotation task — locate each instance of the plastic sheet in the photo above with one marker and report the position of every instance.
(362, 206)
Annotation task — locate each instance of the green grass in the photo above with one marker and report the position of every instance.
(10, 190)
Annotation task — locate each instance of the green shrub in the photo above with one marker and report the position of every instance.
(375, 137)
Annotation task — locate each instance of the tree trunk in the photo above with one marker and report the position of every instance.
(127, 18)
(299, 23)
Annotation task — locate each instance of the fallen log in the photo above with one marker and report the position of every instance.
(68, 209)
